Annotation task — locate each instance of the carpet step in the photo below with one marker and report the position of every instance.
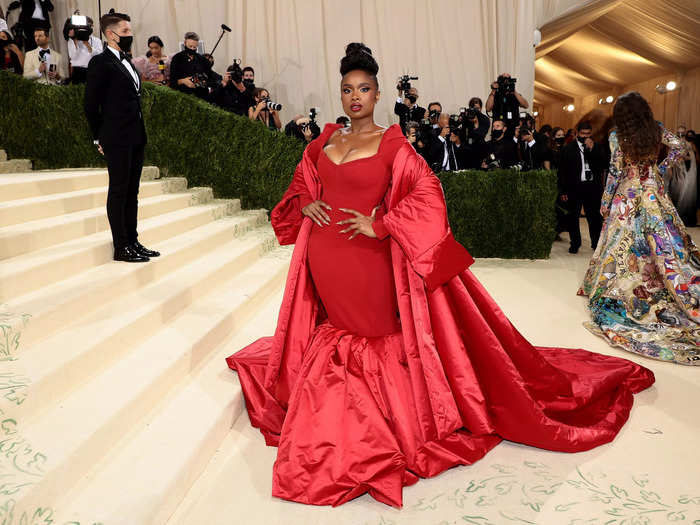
(35, 235)
(26, 273)
(174, 445)
(35, 208)
(52, 308)
(3, 155)
(41, 183)
(97, 417)
(109, 331)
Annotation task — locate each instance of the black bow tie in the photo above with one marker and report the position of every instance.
(124, 56)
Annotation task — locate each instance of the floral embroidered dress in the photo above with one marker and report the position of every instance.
(643, 281)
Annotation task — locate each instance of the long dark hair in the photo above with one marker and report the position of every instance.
(639, 135)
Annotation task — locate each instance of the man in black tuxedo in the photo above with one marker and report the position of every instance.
(407, 109)
(580, 180)
(113, 110)
(34, 15)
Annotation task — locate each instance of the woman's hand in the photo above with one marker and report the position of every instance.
(316, 212)
(361, 224)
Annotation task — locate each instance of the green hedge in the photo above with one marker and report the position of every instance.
(494, 214)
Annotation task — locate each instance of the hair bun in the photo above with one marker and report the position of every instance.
(359, 56)
(356, 47)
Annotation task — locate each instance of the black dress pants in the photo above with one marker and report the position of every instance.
(124, 164)
(588, 195)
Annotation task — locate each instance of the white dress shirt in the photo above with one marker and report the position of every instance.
(78, 51)
(3, 25)
(134, 74)
(38, 11)
(584, 163)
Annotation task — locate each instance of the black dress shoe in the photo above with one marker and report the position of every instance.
(573, 250)
(142, 250)
(127, 254)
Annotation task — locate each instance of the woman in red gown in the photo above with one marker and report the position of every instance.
(390, 361)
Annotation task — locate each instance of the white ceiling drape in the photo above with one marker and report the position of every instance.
(456, 47)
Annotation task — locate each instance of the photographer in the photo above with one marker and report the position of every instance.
(34, 15)
(265, 110)
(42, 64)
(501, 151)
(533, 152)
(249, 78)
(189, 70)
(504, 102)
(11, 57)
(82, 46)
(480, 122)
(234, 95)
(447, 151)
(303, 128)
(406, 108)
(419, 139)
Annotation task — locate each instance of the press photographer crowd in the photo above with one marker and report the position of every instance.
(497, 135)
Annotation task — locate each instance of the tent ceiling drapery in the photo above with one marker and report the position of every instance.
(609, 43)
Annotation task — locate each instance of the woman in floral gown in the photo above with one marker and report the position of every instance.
(644, 278)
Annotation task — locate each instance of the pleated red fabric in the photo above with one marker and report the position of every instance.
(354, 414)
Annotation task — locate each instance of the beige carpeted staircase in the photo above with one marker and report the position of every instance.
(120, 393)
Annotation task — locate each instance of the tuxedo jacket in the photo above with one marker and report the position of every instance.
(28, 10)
(569, 172)
(113, 102)
(32, 64)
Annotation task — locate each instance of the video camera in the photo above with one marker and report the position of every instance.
(505, 84)
(81, 26)
(405, 83)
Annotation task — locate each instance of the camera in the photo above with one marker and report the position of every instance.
(405, 83)
(312, 115)
(235, 71)
(471, 114)
(81, 26)
(524, 131)
(506, 84)
(434, 114)
(456, 123)
(272, 105)
(44, 55)
(492, 163)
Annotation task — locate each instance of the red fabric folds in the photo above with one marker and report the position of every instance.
(353, 414)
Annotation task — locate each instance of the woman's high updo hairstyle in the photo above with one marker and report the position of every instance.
(639, 135)
(359, 56)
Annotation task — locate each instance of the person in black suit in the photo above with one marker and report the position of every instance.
(34, 15)
(407, 109)
(113, 110)
(580, 180)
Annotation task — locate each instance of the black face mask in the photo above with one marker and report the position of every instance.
(190, 52)
(249, 82)
(560, 140)
(412, 99)
(125, 43)
(496, 134)
(582, 140)
(4, 43)
(690, 138)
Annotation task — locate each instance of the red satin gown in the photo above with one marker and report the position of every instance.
(352, 424)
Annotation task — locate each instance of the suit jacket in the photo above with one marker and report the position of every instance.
(569, 172)
(28, 10)
(113, 102)
(406, 114)
(32, 63)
